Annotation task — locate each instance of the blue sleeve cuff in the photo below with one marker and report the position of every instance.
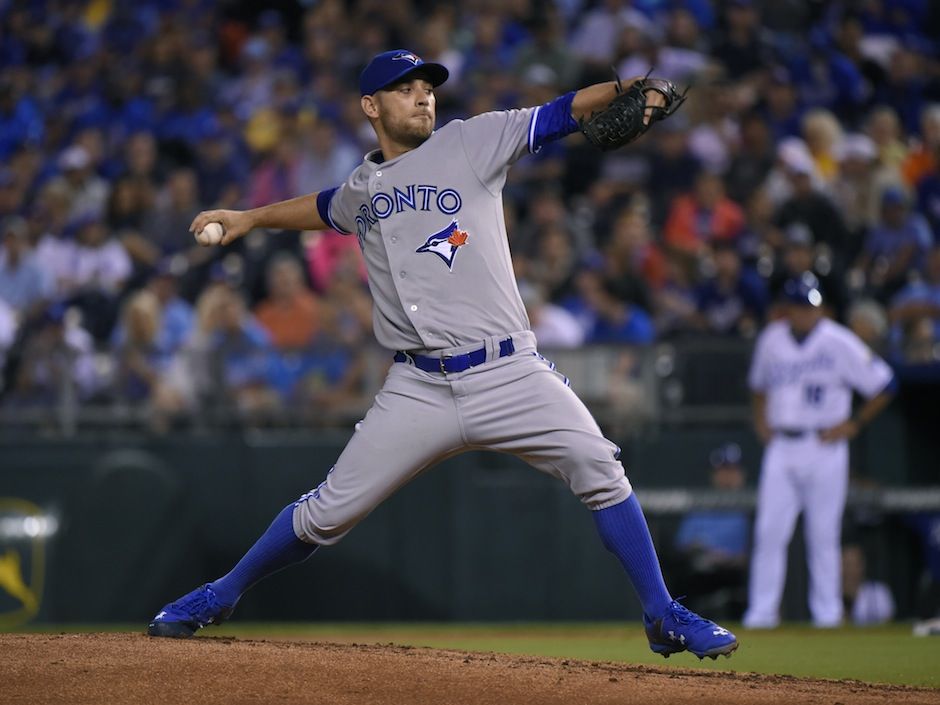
(551, 122)
(323, 208)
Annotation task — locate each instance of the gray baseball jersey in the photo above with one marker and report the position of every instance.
(430, 224)
(431, 227)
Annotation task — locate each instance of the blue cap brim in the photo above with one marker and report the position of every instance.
(436, 73)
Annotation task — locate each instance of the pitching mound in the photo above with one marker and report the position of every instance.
(128, 668)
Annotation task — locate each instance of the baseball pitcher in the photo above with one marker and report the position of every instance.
(426, 207)
(804, 371)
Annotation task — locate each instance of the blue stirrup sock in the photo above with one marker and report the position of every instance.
(625, 533)
(277, 548)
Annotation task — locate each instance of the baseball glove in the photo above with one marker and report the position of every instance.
(621, 121)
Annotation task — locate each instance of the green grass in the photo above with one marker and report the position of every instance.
(877, 655)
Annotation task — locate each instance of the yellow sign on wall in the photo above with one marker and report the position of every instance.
(24, 531)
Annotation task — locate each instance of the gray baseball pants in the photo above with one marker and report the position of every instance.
(517, 404)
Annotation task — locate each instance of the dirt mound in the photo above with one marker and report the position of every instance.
(120, 669)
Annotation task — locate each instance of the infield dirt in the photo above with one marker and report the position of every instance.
(122, 669)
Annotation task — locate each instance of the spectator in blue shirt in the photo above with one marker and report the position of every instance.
(896, 246)
(828, 78)
(283, 54)
(24, 285)
(711, 546)
(20, 120)
(916, 310)
(56, 359)
(226, 363)
(167, 226)
(734, 299)
(490, 55)
(190, 120)
(674, 169)
(604, 316)
(142, 358)
(176, 317)
(720, 534)
(222, 173)
(781, 104)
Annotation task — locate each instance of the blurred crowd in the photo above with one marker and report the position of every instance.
(810, 141)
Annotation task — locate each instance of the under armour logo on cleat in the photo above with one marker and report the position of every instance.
(680, 638)
(162, 614)
(721, 631)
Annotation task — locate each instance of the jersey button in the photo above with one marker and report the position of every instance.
(378, 173)
(402, 274)
(414, 307)
(394, 238)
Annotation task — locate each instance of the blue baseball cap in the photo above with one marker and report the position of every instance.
(803, 290)
(727, 454)
(893, 196)
(390, 66)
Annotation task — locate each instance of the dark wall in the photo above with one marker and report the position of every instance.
(481, 536)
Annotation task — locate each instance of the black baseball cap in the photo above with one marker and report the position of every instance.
(391, 66)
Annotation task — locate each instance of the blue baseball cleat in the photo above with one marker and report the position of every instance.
(194, 610)
(682, 630)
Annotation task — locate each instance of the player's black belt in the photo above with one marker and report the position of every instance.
(450, 364)
(795, 432)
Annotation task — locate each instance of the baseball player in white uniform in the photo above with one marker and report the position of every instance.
(427, 210)
(803, 374)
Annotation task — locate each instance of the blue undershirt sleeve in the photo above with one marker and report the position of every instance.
(323, 208)
(551, 122)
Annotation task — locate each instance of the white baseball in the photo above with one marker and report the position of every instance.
(211, 234)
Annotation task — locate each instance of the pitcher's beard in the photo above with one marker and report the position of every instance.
(415, 138)
(411, 135)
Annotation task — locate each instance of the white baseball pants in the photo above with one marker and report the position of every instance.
(799, 474)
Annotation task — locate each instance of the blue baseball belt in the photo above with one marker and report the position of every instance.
(450, 364)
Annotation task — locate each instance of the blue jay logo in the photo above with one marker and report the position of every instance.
(407, 56)
(445, 243)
